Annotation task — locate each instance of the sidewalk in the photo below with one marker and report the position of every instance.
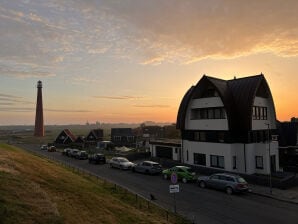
(289, 195)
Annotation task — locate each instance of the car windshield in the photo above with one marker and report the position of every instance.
(156, 165)
(240, 180)
(123, 160)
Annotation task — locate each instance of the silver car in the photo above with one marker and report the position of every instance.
(223, 181)
(121, 163)
(148, 167)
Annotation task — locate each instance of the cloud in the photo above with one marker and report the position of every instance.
(118, 97)
(6, 99)
(54, 34)
(191, 30)
(67, 111)
(16, 109)
(153, 106)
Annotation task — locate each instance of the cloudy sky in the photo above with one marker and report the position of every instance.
(133, 60)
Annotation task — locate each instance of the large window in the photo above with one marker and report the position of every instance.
(199, 159)
(259, 162)
(259, 113)
(208, 113)
(217, 161)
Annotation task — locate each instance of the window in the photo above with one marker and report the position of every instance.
(217, 161)
(211, 113)
(259, 162)
(208, 113)
(234, 162)
(199, 159)
(200, 136)
(259, 113)
(221, 137)
(187, 155)
(217, 113)
(176, 150)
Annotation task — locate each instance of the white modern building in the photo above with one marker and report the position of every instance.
(228, 124)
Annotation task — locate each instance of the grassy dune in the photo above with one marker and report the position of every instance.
(36, 190)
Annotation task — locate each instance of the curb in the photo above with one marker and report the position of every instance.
(275, 198)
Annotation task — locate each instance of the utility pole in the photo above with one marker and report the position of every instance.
(270, 175)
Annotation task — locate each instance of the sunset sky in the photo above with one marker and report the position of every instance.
(133, 60)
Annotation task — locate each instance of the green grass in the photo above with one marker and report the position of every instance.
(37, 190)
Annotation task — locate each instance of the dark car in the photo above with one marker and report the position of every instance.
(97, 158)
(229, 182)
(148, 167)
(81, 155)
(52, 149)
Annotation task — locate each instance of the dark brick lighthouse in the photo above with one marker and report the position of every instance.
(39, 128)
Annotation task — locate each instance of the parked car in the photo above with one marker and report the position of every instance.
(184, 173)
(66, 151)
(52, 149)
(73, 152)
(229, 182)
(44, 147)
(121, 163)
(97, 158)
(81, 155)
(148, 167)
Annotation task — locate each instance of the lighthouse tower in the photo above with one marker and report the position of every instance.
(39, 128)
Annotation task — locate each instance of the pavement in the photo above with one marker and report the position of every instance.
(288, 195)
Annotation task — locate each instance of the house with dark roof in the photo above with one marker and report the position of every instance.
(123, 137)
(227, 125)
(65, 137)
(94, 136)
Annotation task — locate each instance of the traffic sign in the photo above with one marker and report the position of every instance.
(174, 178)
(174, 188)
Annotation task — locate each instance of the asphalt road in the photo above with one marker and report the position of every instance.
(201, 205)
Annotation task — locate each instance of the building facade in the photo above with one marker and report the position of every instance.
(227, 125)
(123, 137)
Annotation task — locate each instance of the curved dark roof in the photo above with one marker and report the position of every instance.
(183, 107)
(237, 96)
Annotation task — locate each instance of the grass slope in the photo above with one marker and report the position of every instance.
(36, 190)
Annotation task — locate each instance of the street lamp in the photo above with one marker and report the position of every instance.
(270, 176)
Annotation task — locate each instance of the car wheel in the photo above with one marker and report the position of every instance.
(133, 169)
(202, 184)
(111, 165)
(121, 167)
(165, 176)
(184, 180)
(229, 190)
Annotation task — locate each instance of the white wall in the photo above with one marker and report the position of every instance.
(261, 124)
(207, 148)
(230, 150)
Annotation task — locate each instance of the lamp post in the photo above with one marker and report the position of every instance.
(270, 176)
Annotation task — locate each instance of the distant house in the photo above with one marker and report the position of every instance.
(94, 136)
(288, 144)
(123, 137)
(65, 137)
(228, 125)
